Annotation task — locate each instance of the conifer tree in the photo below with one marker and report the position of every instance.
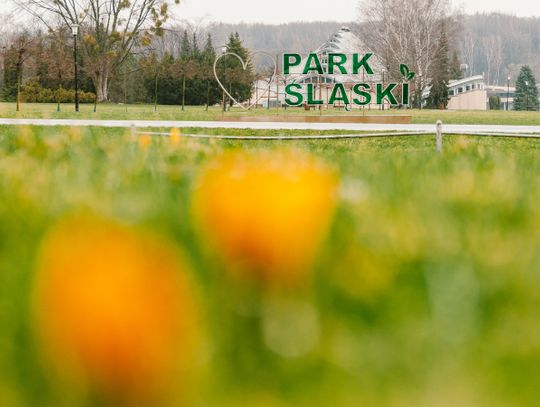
(455, 66)
(526, 97)
(195, 51)
(239, 81)
(438, 94)
(186, 66)
(196, 84)
(185, 46)
(206, 72)
(159, 79)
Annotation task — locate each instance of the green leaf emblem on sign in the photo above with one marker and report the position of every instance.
(406, 72)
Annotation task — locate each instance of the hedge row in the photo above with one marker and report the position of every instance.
(33, 92)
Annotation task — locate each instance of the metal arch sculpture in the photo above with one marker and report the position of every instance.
(245, 64)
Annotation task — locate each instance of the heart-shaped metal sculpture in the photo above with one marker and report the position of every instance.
(245, 65)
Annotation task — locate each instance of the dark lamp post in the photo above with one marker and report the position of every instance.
(223, 51)
(420, 93)
(383, 72)
(508, 94)
(527, 94)
(75, 32)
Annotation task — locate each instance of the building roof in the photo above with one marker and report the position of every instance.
(346, 42)
(466, 81)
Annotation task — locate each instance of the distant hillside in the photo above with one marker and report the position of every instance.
(498, 44)
(274, 39)
(493, 44)
(301, 37)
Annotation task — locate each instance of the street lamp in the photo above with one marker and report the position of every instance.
(527, 94)
(420, 93)
(223, 51)
(75, 32)
(464, 68)
(383, 72)
(508, 94)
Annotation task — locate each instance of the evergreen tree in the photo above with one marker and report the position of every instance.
(185, 46)
(238, 80)
(438, 94)
(195, 84)
(185, 68)
(206, 72)
(185, 80)
(195, 46)
(455, 66)
(169, 83)
(159, 80)
(526, 97)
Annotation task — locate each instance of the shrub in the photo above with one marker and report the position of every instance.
(494, 103)
(33, 92)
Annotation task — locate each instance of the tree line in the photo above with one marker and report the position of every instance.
(39, 67)
(122, 57)
(188, 78)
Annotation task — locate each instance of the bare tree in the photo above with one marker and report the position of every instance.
(498, 61)
(468, 46)
(492, 47)
(151, 66)
(19, 52)
(111, 29)
(55, 54)
(206, 73)
(184, 69)
(404, 31)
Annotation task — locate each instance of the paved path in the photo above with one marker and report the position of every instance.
(450, 128)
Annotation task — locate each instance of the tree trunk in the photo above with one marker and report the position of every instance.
(101, 83)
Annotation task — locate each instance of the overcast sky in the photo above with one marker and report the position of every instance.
(283, 11)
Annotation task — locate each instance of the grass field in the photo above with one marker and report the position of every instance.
(147, 112)
(424, 292)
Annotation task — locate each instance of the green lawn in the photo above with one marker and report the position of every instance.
(147, 112)
(426, 291)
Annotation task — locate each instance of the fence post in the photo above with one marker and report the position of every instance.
(439, 137)
(133, 132)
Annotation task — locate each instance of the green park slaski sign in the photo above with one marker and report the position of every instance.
(361, 93)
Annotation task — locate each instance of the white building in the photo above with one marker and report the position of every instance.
(472, 94)
(467, 94)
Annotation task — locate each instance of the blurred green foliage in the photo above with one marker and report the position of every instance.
(425, 294)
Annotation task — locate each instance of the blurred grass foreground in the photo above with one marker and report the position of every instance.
(172, 272)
